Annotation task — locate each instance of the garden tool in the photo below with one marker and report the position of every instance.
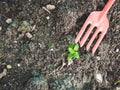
(98, 20)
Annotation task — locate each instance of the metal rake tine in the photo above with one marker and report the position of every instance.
(81, 31)
(92, 39)
(98, 42)
(85, 37)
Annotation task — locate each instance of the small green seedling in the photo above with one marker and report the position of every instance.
(73, 51)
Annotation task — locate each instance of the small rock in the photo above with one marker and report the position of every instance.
(18, 65)
(117, 88)
(31, 22)
(47, 17)
(15, 42)
(9, 66)
(51, 49)
(98, 58)
(9, 20)
(50, 7)
(0, 28)
(117, 50)
(98, 78)
(29, 35)
(41, 45)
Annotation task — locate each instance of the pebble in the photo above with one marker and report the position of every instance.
(117, 88)
(18, 65)
(29, 35)
(9, 20)
(51, 49)
(50, 7)
(117, 50)
(98, 58)
(0, 28)
(98, 78)
(9, 66)
(41, 45)
(47, 17)
(15, 42)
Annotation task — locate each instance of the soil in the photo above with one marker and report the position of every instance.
(34, 44)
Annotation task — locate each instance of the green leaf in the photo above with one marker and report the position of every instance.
(71, 50)
(69, 57)
(76, 47)
(76, 55)
(71, 45)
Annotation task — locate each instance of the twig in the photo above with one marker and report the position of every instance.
(46, 10)
(4, 73)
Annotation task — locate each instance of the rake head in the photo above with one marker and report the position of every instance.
(95, 20)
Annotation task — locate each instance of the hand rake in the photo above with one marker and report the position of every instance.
(98, 20)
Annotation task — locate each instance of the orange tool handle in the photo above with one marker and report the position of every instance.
(107, 7)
